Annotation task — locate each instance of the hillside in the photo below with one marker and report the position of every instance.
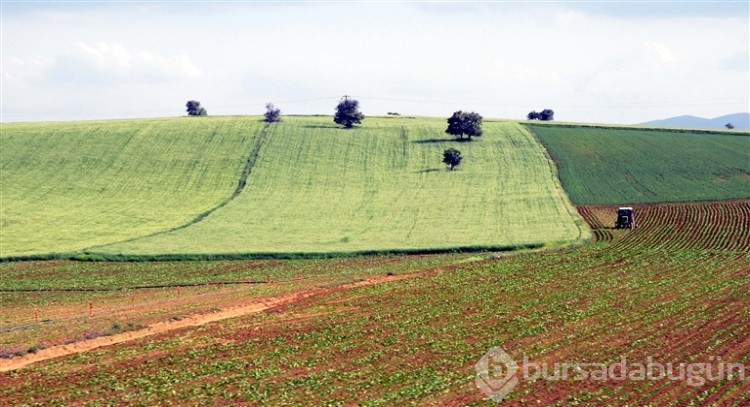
(319, 189)
(610, 165)
(741, 121)
(68, 186)
(71, 187)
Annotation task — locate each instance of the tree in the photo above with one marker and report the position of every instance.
(465, 123)
(194, 108)
(546, 114)
(473, 125)
(452, 157)
(730, 126)
(455, 124)
(272, 113)
(347, 113)
(534, 115)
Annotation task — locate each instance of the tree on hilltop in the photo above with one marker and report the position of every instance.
(464, 123)
(544, 115)
(194, 108)
(547, 114)
(347, 113)
(272, 113)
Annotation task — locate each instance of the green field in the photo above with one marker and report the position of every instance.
(312, 188)
(317, 188)
(601, 165)
(150, 187)
(69, 186)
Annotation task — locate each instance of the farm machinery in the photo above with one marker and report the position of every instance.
(625, 218)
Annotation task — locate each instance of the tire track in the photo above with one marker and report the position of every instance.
(249, 164)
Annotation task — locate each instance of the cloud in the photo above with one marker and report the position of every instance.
(18, 71)
(663, 53)
(114, 63)
(502, 59)
(654, 60)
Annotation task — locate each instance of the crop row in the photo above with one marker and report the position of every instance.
(621, 166)
(719, 226)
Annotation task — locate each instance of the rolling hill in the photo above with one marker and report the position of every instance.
(372, 330)
(170, 187)
(381, 187)
(234, 186)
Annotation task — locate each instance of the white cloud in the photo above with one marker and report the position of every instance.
(503, 58)
(663, 54)
(114, 62)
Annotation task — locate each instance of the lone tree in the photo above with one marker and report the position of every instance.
(730, 126)
(546, 114)
(465, 123)
(347, 113)
(452, 158)
(272, 113)
(194, 108)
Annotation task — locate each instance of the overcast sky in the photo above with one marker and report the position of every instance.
(603, 62)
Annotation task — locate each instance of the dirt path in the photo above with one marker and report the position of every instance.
(190, 321)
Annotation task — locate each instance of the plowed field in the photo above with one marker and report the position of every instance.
(676, 289)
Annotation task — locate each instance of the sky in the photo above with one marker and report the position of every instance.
(599, 62)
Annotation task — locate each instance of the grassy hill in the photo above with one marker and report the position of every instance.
(609, 165)
(166, 186)
(68, 186)
(381, 187)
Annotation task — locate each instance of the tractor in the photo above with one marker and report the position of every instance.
(625, 218)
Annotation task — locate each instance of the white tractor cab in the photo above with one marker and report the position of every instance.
(625, 218)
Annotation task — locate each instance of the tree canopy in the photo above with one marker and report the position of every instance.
(452, 158)
(194, 108)
(544, 115)
(347, 113)
(547, 114)
(465, 123)
(272, 113)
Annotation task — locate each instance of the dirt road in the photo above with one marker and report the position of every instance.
(253, 306)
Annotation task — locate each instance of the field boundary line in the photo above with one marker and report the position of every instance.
(585, 232)
(635, 127)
